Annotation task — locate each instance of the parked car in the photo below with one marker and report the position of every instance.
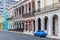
(40, 33)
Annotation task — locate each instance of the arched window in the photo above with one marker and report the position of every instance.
(46, 23)
(55, 25)
(39, 24)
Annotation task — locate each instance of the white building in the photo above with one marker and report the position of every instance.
(33, 15)
(4, 4)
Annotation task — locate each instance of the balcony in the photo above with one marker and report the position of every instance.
(48, 8)
(9, 19)
(17, 17)
(30, 14)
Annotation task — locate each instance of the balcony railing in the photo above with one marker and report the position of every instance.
(30, 14)
(49, 8)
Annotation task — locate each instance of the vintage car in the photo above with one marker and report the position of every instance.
(40, 33)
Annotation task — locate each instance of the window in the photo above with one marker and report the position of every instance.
(22, 9)
(29, 6)
(1, 11)
(1, 8)
(33, 6)
(46, 23)
(15, 12)
(26, 8)
(38, 4)
(19, 10)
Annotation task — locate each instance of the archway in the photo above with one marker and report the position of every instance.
(46, 22)
(55, 25)
(39, 24)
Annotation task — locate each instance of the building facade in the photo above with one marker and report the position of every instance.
(32, 15)
(4, 4)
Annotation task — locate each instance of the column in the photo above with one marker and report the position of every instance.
(18, 11)
(42, 24)
(24, 9)
(58, 27)
(8, 25)
(36, 25)
(24, 27)
(49, 28)
(28, 8)
(21, 11)
(32, 26)
(17, 25)
(41, 4)
(28, 26)
(13, 25)
(21, 25)
(36, 5)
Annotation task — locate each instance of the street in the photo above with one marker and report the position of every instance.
(4, 35)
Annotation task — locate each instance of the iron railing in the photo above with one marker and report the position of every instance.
(29, 14)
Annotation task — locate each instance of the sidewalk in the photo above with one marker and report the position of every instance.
(56, 37)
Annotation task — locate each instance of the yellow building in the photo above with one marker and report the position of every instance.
(1, 22)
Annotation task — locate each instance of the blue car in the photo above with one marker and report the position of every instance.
(40, 33)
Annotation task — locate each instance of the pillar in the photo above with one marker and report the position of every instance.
(13, 25)
(36, 4)
(21, 11)
(32, 26)
(36, 25)
(18, 11)
(49, 28)
(24, 27)
(42, 24)
(28, 26)
(58, 27)
(28, 8)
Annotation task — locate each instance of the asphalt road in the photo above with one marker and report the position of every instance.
(18, 36)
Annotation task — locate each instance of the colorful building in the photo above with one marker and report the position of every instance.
(5, 21)
(1, 22)
(32, 15)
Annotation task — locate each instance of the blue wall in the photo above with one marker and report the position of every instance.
(5, 21)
